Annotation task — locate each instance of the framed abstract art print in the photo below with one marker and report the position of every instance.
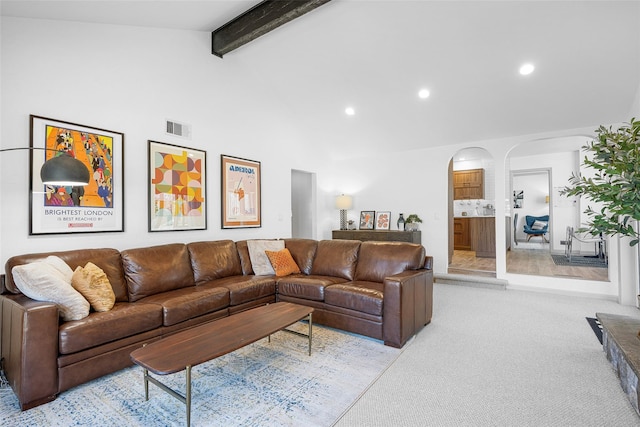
(177, 188)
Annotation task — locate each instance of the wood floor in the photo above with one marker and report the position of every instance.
(523, 261)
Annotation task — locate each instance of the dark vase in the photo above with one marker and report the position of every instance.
(401, 223)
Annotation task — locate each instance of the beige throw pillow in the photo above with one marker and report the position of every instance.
(94, 285)
(259, 261)
(50, 280)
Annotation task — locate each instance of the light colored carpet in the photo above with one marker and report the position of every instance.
(501, 358)
(263, 384)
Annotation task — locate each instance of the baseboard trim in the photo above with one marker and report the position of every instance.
(472, 281)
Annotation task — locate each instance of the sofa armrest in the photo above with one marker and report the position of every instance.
(408, 300)
(29, 349)
(428, 262)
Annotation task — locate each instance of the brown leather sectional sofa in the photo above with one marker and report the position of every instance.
(378, 289)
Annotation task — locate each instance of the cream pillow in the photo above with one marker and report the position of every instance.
(94, 285)
(50, 280)
(259, 260)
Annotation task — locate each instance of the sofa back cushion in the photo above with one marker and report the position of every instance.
(378, 260)
(336, 258)
(245, 259)
(156, 269)
(214, 260)
(107, 259)
(303, 252)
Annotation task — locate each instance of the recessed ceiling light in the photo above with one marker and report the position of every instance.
(424, 93)
(349, 111)
(527, 69)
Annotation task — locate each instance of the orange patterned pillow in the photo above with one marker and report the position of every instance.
(282, 262)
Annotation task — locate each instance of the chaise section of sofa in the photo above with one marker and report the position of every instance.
(378, 289)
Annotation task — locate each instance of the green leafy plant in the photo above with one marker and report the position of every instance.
(412, 218)
(615, 158)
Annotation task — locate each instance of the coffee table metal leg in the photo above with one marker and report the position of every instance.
(310, 333)
(146, 384)
(188, 395)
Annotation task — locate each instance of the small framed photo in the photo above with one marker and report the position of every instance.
(383, 220)
(366, 220)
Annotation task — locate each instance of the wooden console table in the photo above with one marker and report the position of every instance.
(378, 235)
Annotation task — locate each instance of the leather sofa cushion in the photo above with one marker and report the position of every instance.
(361, 296)
(336, 258)
(306, 287)
(156, 269)
(377, 260)
(107, 259)
(187, 303)
(214, 260)
(303, 252)
(123, 320)
(243, 289)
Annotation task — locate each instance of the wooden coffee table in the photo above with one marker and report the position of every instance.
(189, 348)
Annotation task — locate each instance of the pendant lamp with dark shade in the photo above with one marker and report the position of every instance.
(61, 170)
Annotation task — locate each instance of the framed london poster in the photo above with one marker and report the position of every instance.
(240, 193)
(177, 188)
(61, 208)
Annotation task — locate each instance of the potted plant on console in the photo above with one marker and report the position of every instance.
(412, 223)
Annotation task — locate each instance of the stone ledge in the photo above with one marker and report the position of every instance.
(622, 347)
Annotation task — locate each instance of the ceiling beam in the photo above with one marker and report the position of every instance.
(257, 21)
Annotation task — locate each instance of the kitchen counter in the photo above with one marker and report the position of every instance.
(475, 233)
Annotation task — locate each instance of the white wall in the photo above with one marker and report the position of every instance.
(131, 79)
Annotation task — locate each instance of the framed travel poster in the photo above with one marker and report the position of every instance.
(241, 199)
(177, 188)
(96, 207)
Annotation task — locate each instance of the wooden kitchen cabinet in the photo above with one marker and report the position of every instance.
(461, 234)
(475, 234)
(468, 184)
(483, 234)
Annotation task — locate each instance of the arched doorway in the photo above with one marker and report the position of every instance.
(540, 169)
(472, 224)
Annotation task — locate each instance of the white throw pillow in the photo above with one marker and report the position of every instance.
(538, 225)
(259, 260)
(49, 280)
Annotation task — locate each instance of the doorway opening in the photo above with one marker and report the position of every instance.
(472, 222)
(303, 202)
(531, 199)
(538, 171)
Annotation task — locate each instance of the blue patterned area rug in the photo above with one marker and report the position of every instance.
(263, 384)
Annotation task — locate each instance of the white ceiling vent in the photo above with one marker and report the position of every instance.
(182, 130)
